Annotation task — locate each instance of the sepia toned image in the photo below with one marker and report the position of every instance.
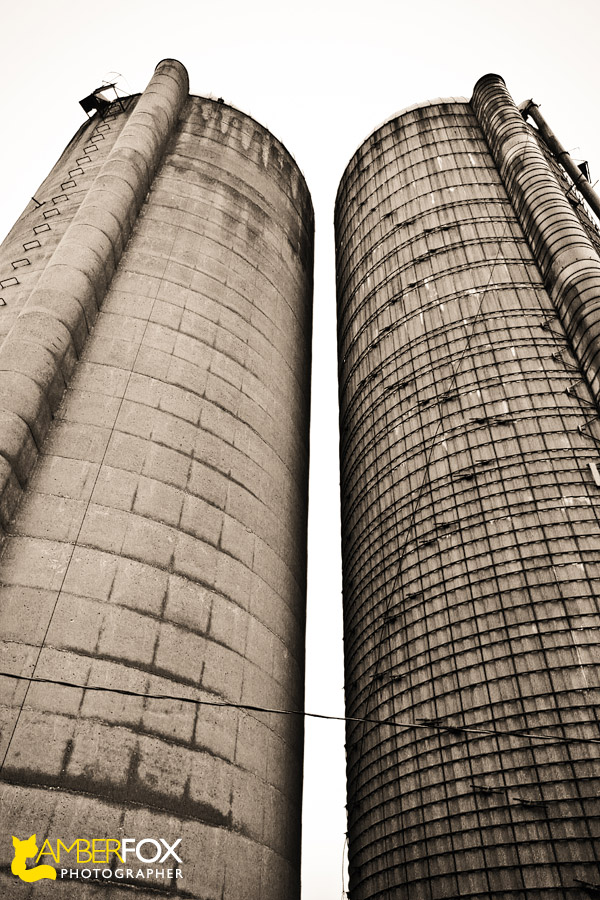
(299, 451)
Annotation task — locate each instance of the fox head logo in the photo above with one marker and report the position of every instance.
(24, 850)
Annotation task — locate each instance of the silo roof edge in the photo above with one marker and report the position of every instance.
(397, 115)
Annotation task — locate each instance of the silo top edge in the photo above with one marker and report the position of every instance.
(222, 104)
(397, 115)
(491, 77)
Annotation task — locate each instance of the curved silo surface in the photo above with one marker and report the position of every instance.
(161, 539)
(470, 533)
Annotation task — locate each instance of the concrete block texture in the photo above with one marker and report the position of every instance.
(470, 531)
(52, 326)
(159, 549)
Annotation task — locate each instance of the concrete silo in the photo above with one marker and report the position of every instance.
(470, 510)
(155, 379)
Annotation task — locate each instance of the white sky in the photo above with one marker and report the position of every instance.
(321, 76)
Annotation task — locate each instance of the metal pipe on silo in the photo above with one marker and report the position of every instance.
(567, 260)
(531, 109)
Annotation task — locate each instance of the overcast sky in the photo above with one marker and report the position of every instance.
(321, 76)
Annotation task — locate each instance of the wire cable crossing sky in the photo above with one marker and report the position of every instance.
(438, 726)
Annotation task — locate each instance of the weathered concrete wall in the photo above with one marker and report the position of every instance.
(161, 544)
(470, 532)
(26, 250)
(38, 354)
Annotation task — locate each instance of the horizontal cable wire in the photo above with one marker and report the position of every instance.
(433, 725)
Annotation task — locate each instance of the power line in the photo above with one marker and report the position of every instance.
(434, 725)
